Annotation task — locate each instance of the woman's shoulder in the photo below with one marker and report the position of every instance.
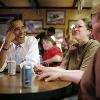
(98, 50)
(94, 41)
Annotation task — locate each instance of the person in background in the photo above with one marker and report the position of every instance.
(38, 30)
(44, 32)
(24, 50)
(49, 32)
(88, 80)
(52, 55)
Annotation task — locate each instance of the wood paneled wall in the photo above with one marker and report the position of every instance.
(70, 14)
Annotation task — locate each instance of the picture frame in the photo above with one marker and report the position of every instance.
(71, 24)
(55, 17)
(32, 25)
(59, 34)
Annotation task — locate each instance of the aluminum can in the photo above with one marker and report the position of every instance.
(11, 64)
(26, 76)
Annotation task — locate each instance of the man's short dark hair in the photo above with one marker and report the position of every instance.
(15, 19)
(51, 30)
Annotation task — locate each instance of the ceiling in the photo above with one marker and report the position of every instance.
(69, 4)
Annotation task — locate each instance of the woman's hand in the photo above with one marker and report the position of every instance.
(49, 76)
(48, 73)
(38, 69)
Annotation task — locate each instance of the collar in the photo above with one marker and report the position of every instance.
(21, 45)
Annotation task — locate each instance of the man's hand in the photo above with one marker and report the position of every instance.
(10, 36)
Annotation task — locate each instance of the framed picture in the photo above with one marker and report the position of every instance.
(55, 17)
(59, 34)
(71, 24)
(32, 25)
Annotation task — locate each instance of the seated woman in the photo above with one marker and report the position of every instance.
(76, 60)
(52, 55)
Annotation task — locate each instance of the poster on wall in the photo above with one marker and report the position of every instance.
(32, 26)
(55, 17)
(4, 21)
(59, 35)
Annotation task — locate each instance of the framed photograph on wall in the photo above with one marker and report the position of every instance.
(55, 17)
(59, 34)
(32, 25)
(71, 24)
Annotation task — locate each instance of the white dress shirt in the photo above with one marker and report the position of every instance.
(24, 54)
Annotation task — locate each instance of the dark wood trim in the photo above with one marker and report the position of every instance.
(34, 3)
(74, 3)
(2, 4)
(37, 3)
(43, 8)
(65, 7)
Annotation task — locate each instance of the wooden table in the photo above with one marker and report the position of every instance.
(10, 87)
